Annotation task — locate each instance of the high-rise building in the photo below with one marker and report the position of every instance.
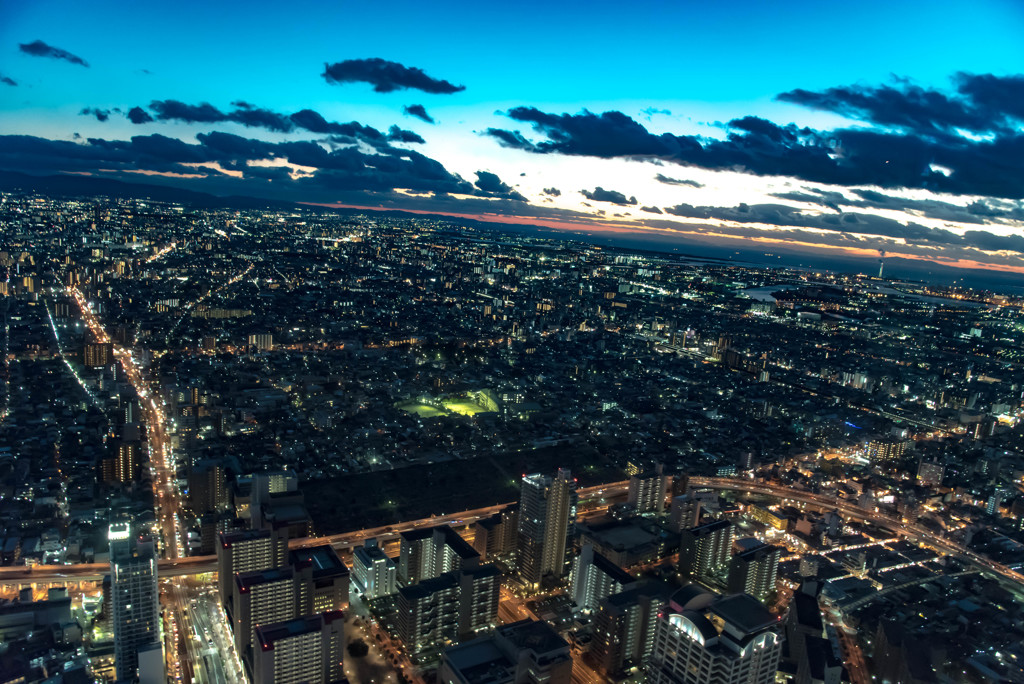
(755, 571)
(135, 610)
(734, 640)
(624, 626)
(308, 649)
(479, 590)
(428, 613)
(525, 652)
(126, 467)
(647, 491)
(98, 354)
(887, 451)
(321, 579)
(496, 536)
(374, 574)
(705, 550)
(685, 512)
(208, 487)
(433, 551)
(261, 597)
(594, 578)
(547, 516)
(245, 551)
(262, 342)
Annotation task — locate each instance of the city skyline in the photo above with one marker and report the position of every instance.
(754, 128)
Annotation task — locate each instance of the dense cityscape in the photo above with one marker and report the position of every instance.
(296, 445)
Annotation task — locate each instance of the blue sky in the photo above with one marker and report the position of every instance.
(677, 68)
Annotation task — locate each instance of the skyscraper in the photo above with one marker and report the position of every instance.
(135, 610)
(547, 516)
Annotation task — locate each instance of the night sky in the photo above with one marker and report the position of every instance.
(802, 127)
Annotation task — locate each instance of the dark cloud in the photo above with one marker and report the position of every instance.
(661, 178)
(850, 224)
(100, 114)
(419, 111)
(651, 210)
(252, 116)
(991, 166)
(346, 169)
(1002, 95)
(599, 194)
(977, 212)
(138, 115)
(554, 192)
(648, 112)
(493, 186)
(38, 48)
(7, 80)
(982, 103)
(396, 134)
(175, 110)
(386, 76)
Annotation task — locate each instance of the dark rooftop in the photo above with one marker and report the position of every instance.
(744, 612)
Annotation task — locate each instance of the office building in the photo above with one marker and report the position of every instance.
(705, 550)
(525, 652)
(374, 574)
(305, 650)
(754, 571)
(594, 578)
(547, 516)
(261, 597)
(135, 608)
(734, 640)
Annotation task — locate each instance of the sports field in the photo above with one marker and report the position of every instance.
(462, 407)
(423, 411)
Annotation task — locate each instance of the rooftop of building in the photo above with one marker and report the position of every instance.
(428, 586)
(612, 570)
(238, 536)
(247, 580)
(535, 635)
(479, 661)
(323, 558)
(744, 612)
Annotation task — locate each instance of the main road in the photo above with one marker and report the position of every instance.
(164, 475)
(176, 567)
